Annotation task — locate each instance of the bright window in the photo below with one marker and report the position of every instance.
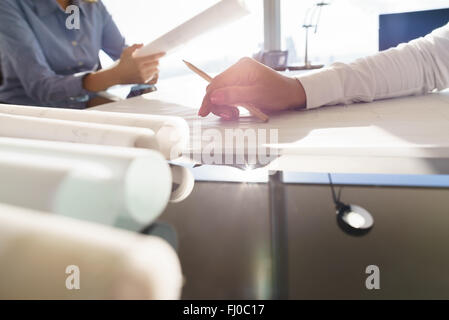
(348, 29)
(141, 21)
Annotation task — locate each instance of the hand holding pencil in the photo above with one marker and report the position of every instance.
(253, 110)
(253, 86)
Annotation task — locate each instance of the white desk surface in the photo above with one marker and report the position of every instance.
(403, 136)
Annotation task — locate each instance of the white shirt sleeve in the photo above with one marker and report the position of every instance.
(417, 67)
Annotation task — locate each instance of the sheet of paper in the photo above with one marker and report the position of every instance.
(222, 13)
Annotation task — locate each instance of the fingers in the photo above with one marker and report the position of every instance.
(223, 111)
(149, 65)
(236, 95)
(223, 101)
(226, 112)
(241, 73)
(205, 108)
(150, 58)
(149, 74)
(127, 52)
(148, 70)
(229, 96)
(154, 79)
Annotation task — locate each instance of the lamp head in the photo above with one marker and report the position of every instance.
(354, 220)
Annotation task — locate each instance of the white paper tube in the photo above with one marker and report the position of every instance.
(183, 183)
(43, 256)
(116, 159)
(172, 133)
(75, 131)
(135, 187)
(34, 181)
(220, 14)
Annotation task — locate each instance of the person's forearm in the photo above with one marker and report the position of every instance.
(414, 68)
(102, 79)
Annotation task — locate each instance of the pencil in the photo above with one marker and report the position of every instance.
(253, 110)
(199, 72)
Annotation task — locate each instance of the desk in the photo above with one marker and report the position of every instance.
(401, 136)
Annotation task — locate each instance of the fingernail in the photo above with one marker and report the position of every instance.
(217, 97)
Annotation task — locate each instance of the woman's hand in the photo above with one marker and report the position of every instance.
(128, 70)
(132, 69)
(251, 83)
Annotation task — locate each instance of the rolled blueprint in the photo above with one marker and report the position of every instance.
(124, 187)
(183, 183)
(114, 158)
(44, 256)
(220, 14)
(34, 181)
(171, 133)
(75, 131)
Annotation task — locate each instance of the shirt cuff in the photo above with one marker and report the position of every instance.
(75, 89)
(322, 88)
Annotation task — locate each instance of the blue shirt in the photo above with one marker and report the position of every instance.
(42, 61)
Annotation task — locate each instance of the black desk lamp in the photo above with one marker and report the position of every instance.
(352, 219)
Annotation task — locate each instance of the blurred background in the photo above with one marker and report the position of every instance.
(348, 29)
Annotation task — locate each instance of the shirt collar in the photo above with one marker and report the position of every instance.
(46, 7)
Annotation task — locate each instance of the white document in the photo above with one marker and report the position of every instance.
(220, 14)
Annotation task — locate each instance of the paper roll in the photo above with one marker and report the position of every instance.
(50, 257)
(75, 131)
(183, 183)
(171, 133)
(125, 187)
(35, 181)
(220, 14)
